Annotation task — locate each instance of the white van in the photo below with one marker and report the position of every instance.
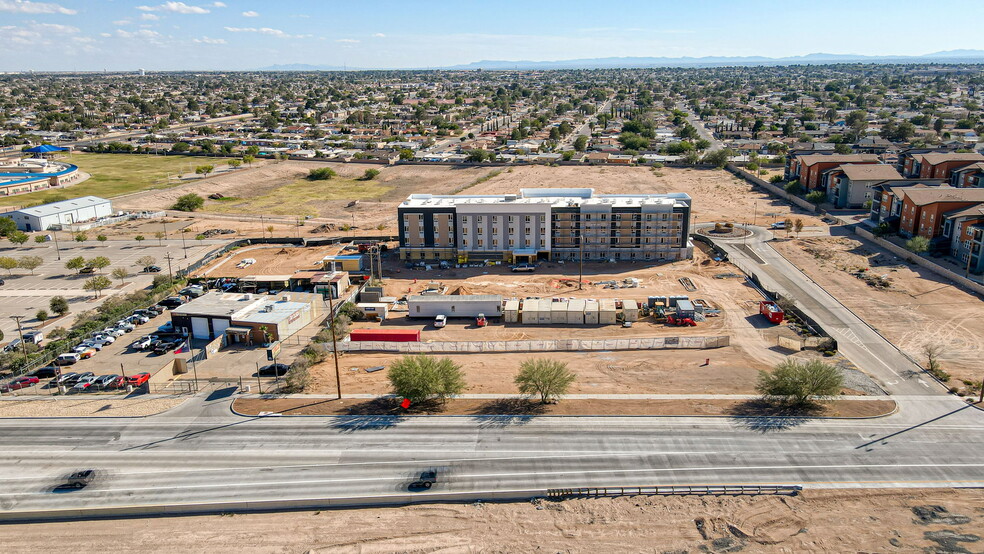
(34, 337)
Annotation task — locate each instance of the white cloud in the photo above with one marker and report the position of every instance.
(26, 6)
(149, 17)
(207, 40)
(105, 35)
(34, 33)
(379, 35)
(251, 13)
(142, 34)
(176, 7)
(218, 4)
(264, 31)
(122, 22)
(347, 41)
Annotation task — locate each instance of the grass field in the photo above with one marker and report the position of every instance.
(302, 197)
(116, 174)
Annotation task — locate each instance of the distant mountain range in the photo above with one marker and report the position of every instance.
(949, 56)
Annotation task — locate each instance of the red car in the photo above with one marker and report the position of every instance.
(138, 379)
(19, 383)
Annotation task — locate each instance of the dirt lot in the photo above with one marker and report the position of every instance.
(269, 261)
(915, 309)
(857, 407)
(910, 520)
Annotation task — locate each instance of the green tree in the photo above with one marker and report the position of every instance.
(30, 263)
(718, 158)
(800, 384)
(204, 170)
(406, 154)
(144, 261)
(81, 236)
(917, 244)
(180, 147)
(816, 197)
(76, 263)
(120, 273)
(475, 155)
(248, 159)
(793, 187)
(549, 379)
(17, 237)
(7, 226)
(189, 203)
(102, 238)
(97, 284)
(139, 238)
(234, 163)
(580, 143)
(199, 237)
(252, 150)
(321, 174)
(632, 141)
(798, 226)
(8, 263)
(99, 262)
(420, 378)
(40, 239)
(41, 315)
(58, 304)
(370, 174)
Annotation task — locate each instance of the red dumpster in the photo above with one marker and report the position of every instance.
(771, 311)
(385, 335)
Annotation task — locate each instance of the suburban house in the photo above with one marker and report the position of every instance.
(849, 185)
(938, 165)
(923, 208)
(808, 168)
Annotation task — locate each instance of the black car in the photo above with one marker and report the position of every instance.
(152, 269)
(171, 302)
(155, 310)
(45, 372)
(164, 347)
(427, 480)
(274, 370)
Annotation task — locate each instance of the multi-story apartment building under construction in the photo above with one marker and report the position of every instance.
(545, 224)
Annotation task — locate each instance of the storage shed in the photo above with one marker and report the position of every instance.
(684, 308)
(454, 305)
(531, 311)
(374, 310)
(558, 312)
(545, 312)
(630, 310)
(606, 311)
(512, 311)
(591, 312)
(575, 312)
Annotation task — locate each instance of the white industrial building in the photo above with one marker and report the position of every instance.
(56, 214)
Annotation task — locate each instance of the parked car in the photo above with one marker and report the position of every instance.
(138, 379)
(192, 291)
(87, 269)
(523, 268)
(274, 370)
(171, 302)
(114, 332)
(440, 321)
(156, 310)
(46, 372)
(13, 345)
(103, 338)
(125, 326)
(109, 381)
(164, 347)
(152, 269)
(138, 319)
(19, 383)
(166, 328)
(778, 225)
(85, 382)
(67, 358)
(86, 353)
(67, 378)
(142, 343)
(92, 343)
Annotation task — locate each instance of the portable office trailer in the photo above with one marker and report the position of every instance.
(630, 310)
(558, 312)
(591, 312)
(575, 312)
(674, 299)
(377, 310)
(606, 311)
(685, 308)
(512, 311)
(455, 305)
(531, 311)
(545, 311)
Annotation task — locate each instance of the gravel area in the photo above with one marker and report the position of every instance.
(87, 407)
(858, 380)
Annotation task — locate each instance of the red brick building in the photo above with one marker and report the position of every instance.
(808, 168)
(938, 165)
(923, 208)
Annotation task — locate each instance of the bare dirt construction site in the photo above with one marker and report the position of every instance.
(910, 306)
(731, 369)
(270, 260)
(908, 520)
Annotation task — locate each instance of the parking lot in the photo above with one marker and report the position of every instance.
(24, 294)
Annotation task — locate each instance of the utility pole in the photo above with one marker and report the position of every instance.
(17, 318)
(54, 235)
(183, 245)
(334, 341)
(164, 223)
(170, 276)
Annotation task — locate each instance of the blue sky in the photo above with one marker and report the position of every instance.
(247, 34)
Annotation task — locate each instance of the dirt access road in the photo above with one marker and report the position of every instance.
(911, 520)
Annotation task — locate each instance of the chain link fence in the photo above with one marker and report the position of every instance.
(546, 345)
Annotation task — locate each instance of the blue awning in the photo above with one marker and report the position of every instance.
(45, 148)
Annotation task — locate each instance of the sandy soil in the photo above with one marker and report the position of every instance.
(918, 307)
(87, 407)
(910, 520)
(521, 407)
(269, 261)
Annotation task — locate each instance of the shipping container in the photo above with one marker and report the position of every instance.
(385, 335)
(558, 313)
(374, 310)
(575, 312)
(512, 311)
(606, 312)
(454, 305)
(591, 312)
(630, 310)
(684, 308)
(531, 311)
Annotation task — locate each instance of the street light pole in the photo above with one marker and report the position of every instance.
(17, 318)
(183, 245)
(54, 235)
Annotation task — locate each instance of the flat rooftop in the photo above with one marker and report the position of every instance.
(559, 197)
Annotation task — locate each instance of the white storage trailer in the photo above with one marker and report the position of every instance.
(531, 310)
(454, 305)
(575, 312)
(630, 310)
(606, 312)
(512, 311)
(558, 312)
(545, 311)
(591, 312)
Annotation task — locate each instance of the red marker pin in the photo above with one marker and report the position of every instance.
(405, 404)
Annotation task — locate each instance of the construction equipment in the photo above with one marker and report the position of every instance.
(680, 321)
(480, 321)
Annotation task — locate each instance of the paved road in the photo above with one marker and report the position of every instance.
(701, 129)
(183, 457)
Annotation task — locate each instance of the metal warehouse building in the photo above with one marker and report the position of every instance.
(66, 212)
(241, 316)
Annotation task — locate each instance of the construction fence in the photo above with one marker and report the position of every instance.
(546, 345)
